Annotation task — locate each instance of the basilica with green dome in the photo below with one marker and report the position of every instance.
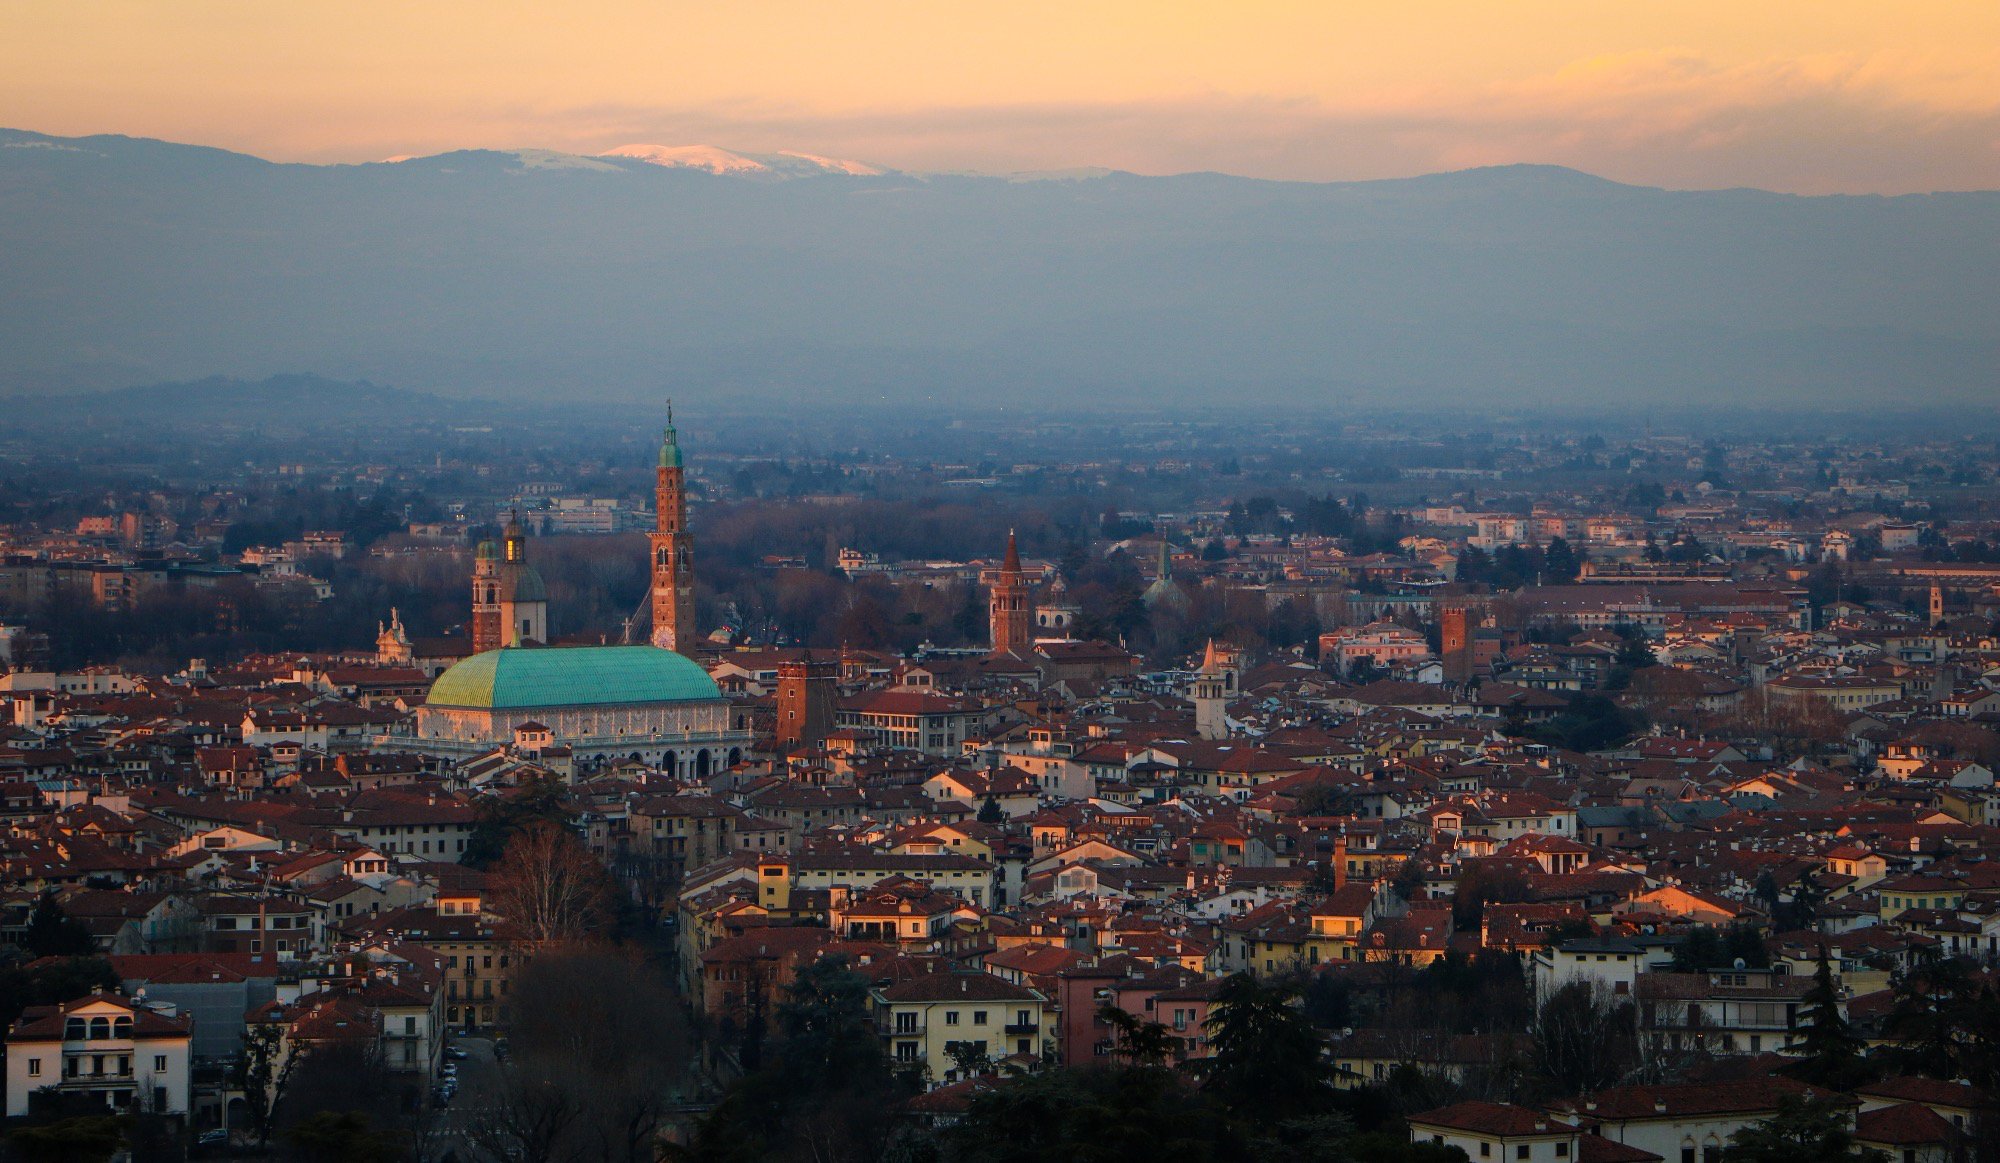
(601, 702)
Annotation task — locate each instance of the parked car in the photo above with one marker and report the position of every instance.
(215, 1138)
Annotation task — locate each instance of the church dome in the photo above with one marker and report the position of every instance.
(522, 585)
(515, 678)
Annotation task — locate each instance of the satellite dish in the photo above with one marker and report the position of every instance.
(1742, 964)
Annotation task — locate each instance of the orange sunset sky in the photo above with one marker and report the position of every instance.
(1808, 97)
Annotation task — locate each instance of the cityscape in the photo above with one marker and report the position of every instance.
(1385, 603)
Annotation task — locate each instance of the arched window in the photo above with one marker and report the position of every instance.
(100, 1027)
(73, 1030)
(735, 756)
(121, 1028)
(701, 764)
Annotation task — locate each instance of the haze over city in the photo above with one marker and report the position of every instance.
(1262, 582)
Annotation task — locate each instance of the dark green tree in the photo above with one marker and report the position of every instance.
(1559, 562)
(341, 1137)
(1831, 1049)
(1138, 1042)
(1267, 1059)
(1806, 1127)
(52, 932)
(505, 817)
(50, 982)
(89, 1139)
(1115, 1115)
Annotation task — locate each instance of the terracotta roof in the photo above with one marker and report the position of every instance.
(1491, 1118)
(1680, 1100)
(1593, 1148)
(957, 987)
(1907, 1124)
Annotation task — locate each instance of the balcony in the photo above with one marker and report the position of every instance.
(1019, 1028)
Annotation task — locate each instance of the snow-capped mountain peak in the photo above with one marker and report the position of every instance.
(695, 157)
(834, 164)
(716, 160)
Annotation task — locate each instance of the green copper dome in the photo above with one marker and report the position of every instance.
(523, 585)
(515, 678)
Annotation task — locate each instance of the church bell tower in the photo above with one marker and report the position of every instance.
(1007, 610)
(673, 570)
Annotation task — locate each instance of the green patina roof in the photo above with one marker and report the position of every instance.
(569, 676)
(523, 585)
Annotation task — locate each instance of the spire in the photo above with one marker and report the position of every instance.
(1166, 561)
(1012, 562)
(670, 441)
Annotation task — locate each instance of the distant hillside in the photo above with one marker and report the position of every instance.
(279, 404)
(697, 271)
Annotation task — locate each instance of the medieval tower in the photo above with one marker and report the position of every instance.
(673, 566)
(805, 700)
(1008, 608)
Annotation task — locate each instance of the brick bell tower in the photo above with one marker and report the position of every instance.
(1007, 606)
(486, 598)
(673, 567)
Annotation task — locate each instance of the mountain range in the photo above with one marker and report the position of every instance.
(773, 277)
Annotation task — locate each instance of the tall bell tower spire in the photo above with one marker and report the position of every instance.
(673, 567)
(1007, 605)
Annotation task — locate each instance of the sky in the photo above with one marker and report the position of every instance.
(1855, 96)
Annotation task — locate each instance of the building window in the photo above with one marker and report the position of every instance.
(1521, 1152)
(978, 1017)
(159, 1063)
(34, 1068)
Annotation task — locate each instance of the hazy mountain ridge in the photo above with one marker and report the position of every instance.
(477, 272)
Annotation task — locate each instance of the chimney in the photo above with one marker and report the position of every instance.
(1340, 861)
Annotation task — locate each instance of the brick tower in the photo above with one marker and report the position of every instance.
(1455, 642)
(673, 568)
(805, 701)
(1007, 609)
(486, 598)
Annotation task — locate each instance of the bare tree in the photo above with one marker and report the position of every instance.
(549, 886)
(533, 1119)
(1585, 1038)
(601, 1047)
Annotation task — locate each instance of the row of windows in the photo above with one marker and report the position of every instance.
(121, 1066)
(77, 1029)
(228, 923)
